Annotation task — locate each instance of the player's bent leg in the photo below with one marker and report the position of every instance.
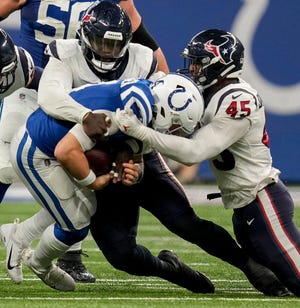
(220, 244)
(54, 242)
(138, 260)
(63, 188)
(264, 280)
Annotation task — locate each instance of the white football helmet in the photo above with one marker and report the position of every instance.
(178, 107)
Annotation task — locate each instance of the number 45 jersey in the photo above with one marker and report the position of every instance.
(244, 166)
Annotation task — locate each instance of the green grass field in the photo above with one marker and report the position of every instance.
(117, 289)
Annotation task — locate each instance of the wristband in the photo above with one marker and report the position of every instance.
(143, 37)
(89, 179)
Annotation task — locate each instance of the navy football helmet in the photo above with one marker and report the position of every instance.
(105, 33)
(8, 61)
(219, 54)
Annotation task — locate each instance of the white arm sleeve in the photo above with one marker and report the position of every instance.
(55, 84)
(207, 142)
(84, 140)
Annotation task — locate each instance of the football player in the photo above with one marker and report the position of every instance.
(68, 196)
(234, 139)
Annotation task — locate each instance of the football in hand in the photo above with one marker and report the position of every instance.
(99, 160)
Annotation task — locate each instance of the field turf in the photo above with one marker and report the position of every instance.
(117, 289)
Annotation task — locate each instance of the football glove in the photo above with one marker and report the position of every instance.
(129, 124)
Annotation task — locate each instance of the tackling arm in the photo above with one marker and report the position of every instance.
(209, 141)
(55, 84)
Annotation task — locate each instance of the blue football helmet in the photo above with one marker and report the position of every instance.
(219, 54)
(8, 61)
(105, 33)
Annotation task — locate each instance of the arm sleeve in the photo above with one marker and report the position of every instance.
(142, 36)
(55, 84)
(207, 142)
(84, 140)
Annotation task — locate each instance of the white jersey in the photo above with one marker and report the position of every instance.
(67, 69)
(233, 138)
(245, 166)
(24, 71)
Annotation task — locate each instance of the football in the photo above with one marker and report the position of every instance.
(99, 160)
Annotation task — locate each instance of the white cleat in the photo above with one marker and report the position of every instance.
(13, 251)
(52, 276)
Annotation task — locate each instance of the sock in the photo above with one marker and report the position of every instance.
(33, 228)
(48, 249)
(73, 253)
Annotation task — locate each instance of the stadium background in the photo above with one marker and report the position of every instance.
(270, 32)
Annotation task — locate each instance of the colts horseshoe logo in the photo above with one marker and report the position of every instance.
(185, 104)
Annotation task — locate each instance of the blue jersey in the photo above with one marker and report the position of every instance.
(42, 21)
(46, 131)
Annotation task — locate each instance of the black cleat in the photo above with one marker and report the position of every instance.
(71, 263)
(184, 276)
(264, 280)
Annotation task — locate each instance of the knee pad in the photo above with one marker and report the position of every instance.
(70, 237)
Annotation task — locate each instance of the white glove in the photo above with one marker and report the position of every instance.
(129, 124)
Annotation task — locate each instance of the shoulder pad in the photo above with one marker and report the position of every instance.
(142, 60)
(62, 49)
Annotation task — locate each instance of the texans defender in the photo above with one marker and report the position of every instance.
(68, 196)
(239, 154)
